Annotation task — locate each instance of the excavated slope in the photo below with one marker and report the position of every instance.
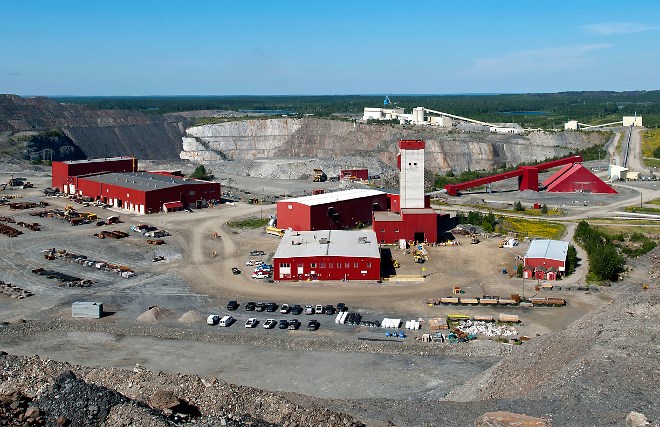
(307, 137)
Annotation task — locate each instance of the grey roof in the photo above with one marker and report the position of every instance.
(143, 181)
(382, 216)
(301, 244)
(549, 249)
(105, 159)
(337, 196)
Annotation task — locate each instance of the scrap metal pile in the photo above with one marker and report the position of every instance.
(123, 271)
(487, 329)
(13, 291)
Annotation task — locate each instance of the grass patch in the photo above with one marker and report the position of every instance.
(642, 209)
(533, 228)
(654, 202)
(653, 231)
(650, 141)
(619, 142)
(651, 163)
(249, 223)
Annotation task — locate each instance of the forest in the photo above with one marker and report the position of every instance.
(543, 110)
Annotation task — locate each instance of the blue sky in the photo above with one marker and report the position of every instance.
(162, 47)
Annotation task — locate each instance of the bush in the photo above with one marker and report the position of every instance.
(517, 206)
(200, 172)
(544, 209)
(656, 152)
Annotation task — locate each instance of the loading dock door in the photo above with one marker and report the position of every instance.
(419, 236)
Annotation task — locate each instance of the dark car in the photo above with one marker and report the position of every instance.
(329, 309)
(250, 306)
(294, 324)
(313, 325)
(341, 307)
(283, 324)
(296, 309)
(235, 270)
(232, 305)
(257, 253)
(271, 307)
(261, 306)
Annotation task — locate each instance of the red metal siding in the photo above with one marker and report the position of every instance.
(293, 215)
(543, 262)
(577, 178)
(357, 173)
(391, 231)
(319, 217)
(62, 171)
(329, 268)
(411, 144)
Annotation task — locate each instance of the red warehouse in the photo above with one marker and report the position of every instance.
(330, 211)
(362, 174)
(63, 172)
(327, 255)
(545, 259)
(143, 192)
(418, 225)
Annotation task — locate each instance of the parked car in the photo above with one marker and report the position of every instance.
(318, 309)
(309, 309)
(250, 306)
(260, 306)
(226, 321)
(260, 275)
(270, 323)
(341, 307)
(213, 319)
(283, 324)
(285, 309)
(313, 325)
(235, 270)
(271, 307)
(257, 253)
(232, 305)
(251, 322)
(296, 309)
(294, 324)
(329, 309)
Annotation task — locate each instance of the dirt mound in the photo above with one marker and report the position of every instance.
(15, 321)
(192, 316)
(154, 314)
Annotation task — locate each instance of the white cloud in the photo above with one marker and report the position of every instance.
(612, 28)
(558, 58)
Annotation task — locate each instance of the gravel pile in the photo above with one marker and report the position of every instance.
(192, 316)
(88, 396)
(154, 314)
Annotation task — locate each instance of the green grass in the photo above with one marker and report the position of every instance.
(650, 141)
(249, 223)
(654, 202)
(533, 228)
(651, 163)
(641, 209)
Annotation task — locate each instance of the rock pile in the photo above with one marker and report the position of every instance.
(154, 314)
(16, 410)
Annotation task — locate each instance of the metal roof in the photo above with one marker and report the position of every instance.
(303, 244)
(142, 181)
(549, 249)
(337, 196)
(105, 159)
(384, 216)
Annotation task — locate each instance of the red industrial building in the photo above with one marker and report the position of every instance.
(139, 192)
(327, 255)
(63, 172)
(330, 211)
(576, 178)
(413, 225)
(362, 174)
(545, 259)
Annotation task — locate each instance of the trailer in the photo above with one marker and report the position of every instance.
(438, 323)
(509, 318)
(469, 301)
(449, 300)
(488, 301)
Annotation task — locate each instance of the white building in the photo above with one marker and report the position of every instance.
(412, 174)
(632, 121)
(571, 125)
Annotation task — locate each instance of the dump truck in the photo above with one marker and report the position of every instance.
(319, 176)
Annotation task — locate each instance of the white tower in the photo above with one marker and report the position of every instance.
(411, 178)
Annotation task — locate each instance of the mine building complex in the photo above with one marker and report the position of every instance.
(117, 182)
(545, 259)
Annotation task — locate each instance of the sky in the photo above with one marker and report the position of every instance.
(316, 47)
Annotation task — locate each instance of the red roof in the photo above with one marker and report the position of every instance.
(576, 178)
(173, 205)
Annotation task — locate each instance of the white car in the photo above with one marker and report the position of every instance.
(251, 322)
(260, 276)
(270, 323)
(213, 319)
(319, 309)
(285, 309)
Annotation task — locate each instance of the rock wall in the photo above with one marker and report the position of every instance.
(330, 139)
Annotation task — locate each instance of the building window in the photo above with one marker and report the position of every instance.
(396, 231)
(313, 265)
(355, 265)
(322, 265)
(285, 264)
(330, 265)
(347, 265)
(368, 265)
(339, 265)
(192, 193)
(382, 231)
(289, 207)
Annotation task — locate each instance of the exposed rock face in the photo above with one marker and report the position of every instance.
(509, 419)
(98, 133)
(307, 137)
